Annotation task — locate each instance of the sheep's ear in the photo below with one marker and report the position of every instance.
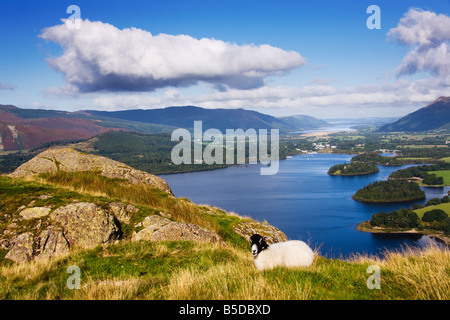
(266, 239)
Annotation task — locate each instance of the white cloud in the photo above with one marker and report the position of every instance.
(101, 57)
(428, 34)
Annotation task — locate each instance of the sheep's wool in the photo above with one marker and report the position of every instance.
(288, 254)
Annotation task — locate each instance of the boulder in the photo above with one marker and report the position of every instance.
(35, 212)
(86, 225)
(122, 211)
(157, 228)
(249, 227)
(52, 243)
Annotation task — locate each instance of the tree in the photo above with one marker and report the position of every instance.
(434, 215)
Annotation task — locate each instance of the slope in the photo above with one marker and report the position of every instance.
(435, 115)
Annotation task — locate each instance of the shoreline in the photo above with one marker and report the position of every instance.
(363, 227)
(387, 201)
(352, 174)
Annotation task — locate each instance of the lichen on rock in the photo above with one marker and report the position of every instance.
(85, 224)
(157, 228)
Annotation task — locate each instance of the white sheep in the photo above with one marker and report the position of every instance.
(291, 253)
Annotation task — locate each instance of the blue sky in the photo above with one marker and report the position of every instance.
(320, 58)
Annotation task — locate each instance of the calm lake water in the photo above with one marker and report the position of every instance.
(303, 201)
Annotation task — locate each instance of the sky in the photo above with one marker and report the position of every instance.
(317, 58)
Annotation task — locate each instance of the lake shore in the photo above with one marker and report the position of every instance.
(366, 227)
(387, 201)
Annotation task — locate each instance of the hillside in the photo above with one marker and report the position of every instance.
(302, 122)
(77, 200)
(222, 119)
(435, 115)
(20, 129)
(132, 241)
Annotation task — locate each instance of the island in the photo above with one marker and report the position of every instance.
(389, 191)
(353, 169)
(431, 219)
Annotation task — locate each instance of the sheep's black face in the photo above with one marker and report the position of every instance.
(258, 244)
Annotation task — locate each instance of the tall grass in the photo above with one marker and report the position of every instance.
(417, 273)
(186, 270)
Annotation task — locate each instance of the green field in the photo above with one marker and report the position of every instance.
(443, 173)
(442, 206)
(447, 159)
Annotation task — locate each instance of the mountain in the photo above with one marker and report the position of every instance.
(302, 122)
(222, 119)
(435, 115)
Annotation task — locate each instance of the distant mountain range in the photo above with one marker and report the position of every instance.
(222, 119)
(435, 115)
(30, 128)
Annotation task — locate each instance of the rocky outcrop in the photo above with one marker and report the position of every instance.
(35, 212)
(70, 160)
(52, 242)
(157, 228)
(86, 225)
(22, 248)
(122, 211)
(249, 227)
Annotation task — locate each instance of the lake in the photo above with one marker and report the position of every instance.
(303, 201)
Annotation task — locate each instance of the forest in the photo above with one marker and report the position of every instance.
(354, 168)
(390, 191)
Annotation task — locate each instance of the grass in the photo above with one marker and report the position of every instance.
(447, 159)
(186, 270)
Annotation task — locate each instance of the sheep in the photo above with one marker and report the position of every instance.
(291, 253)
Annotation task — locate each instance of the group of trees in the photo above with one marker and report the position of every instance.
(435, 219)
(423, 173)
(390, 191)
(377, 159)
(354, 168)
(402, 218)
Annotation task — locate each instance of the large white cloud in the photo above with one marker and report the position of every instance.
(101, 57)
(428, 34)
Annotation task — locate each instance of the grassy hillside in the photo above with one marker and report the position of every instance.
(188, 270)
(442, 206)
(184, 270)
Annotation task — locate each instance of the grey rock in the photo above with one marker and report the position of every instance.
(35, 212)
(85, 225)
(22, 248)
